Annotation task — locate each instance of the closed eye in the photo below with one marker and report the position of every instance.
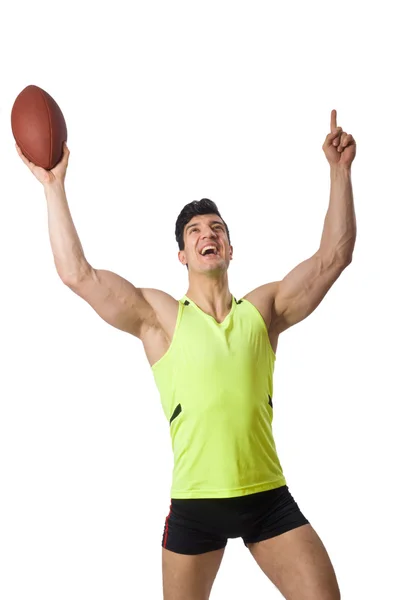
(216, 227)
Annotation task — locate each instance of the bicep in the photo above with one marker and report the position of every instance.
(115, 300)
(302, 290)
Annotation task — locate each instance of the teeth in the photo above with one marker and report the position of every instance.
(207, 247)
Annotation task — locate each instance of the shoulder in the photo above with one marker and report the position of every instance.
(165, 308)
(159, 300)
(263, 298)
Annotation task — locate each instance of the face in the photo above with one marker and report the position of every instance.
(202, 231)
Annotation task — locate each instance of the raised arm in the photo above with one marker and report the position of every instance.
(116, 300)
(292, 299)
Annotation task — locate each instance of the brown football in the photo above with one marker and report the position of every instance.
(39, 127)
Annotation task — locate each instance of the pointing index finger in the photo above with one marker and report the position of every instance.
(333, 120)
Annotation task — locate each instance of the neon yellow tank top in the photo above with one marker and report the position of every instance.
(216, 387)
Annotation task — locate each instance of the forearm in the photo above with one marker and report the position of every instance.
(69, 258)
(339, 233)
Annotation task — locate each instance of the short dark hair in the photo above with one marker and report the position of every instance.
(197, 207)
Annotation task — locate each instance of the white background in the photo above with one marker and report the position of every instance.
(169, 102)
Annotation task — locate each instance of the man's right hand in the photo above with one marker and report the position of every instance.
(57, 174)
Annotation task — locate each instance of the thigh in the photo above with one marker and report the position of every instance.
(192, 552)
(298, 564)
(189, 576)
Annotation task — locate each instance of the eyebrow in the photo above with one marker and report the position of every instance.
(212, 223)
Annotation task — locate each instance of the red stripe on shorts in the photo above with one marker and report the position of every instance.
(166, 527)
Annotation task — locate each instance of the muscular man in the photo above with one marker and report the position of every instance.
(212, 357)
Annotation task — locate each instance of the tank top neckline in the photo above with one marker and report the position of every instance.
(225, 320)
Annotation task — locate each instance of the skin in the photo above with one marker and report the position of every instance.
(296, 562)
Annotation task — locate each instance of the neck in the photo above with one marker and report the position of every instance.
(211, 295)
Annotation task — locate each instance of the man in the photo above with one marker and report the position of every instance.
(212, 358)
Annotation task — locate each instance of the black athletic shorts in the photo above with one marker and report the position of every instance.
(194, 526)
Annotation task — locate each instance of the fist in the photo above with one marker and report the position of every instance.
(339, 147)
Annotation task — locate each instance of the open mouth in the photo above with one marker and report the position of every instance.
(209, 252)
